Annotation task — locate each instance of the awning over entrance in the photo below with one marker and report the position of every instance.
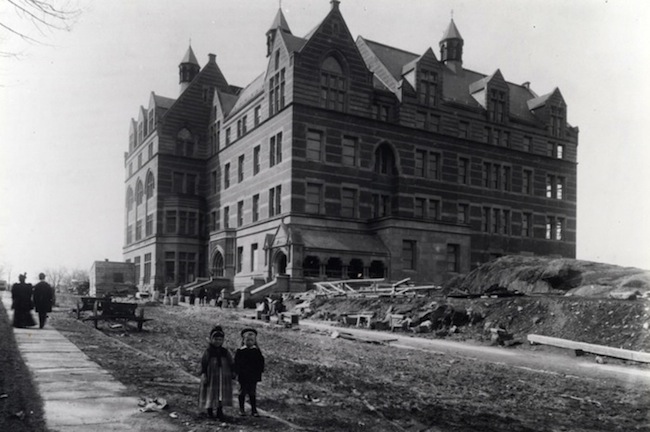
(344, 242)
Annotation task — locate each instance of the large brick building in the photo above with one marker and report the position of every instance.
(344, 159)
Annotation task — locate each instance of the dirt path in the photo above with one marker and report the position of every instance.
(323, 384)
(540, 361)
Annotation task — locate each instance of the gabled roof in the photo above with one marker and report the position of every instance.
(293, 43)
(457, 86)
(482, 83)
(378, 83)
(190, 57)
(451, 32)
(392, 58)
(162, 102)
(228, 101)
(519, 95)
(541, 100)
(249, 93)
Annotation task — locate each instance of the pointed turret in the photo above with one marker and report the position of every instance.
(451, 47)
(279, 23)
(188, 69)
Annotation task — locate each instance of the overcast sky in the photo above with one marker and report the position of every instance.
(65, 105)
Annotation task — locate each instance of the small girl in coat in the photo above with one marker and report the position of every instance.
(216, 376)
(249, 365)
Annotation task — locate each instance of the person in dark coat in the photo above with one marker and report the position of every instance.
(216, 376)
(249, 365)
(192, 297)
(43, 299)
(21, 297)
(201, 296)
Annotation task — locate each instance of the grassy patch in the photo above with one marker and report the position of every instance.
(21, 410)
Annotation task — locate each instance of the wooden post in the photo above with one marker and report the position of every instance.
(95, 315)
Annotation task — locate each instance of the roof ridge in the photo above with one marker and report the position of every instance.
(389, 46)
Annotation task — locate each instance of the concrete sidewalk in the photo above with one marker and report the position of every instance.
(78, 394)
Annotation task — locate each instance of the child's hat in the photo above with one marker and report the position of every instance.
(248, 330)
(216, 331)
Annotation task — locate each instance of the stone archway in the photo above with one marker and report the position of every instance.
(218, 267)
(280, 263)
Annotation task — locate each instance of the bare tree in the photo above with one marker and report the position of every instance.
(31, 20)
(5, 271)
(55, 276)
(74, 276)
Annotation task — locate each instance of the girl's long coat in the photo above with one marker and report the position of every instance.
(217, 365)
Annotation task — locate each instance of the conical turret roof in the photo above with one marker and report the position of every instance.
(190, 57)
(280, 22)
(452, 32)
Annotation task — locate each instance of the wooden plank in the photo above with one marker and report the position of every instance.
(354, 337)
(637, 356)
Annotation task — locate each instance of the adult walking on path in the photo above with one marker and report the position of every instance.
(43, 299)
(78, 395)
(21, 298)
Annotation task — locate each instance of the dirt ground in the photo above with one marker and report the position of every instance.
(317, 383)
(610, 322)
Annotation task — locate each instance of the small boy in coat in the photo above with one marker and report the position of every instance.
(249, 365)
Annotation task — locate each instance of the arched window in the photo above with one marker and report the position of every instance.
(139, 192)
(333, 85)
(129, 198)
(355, 269)
(385, 160)
(311, 266)
(376, 269)
(184, 143)
(334, 268)
(149, 185)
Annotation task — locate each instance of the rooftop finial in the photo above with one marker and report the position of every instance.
(335, 4)
(452, 14)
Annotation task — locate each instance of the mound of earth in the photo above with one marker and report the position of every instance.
(537, 275)
(610, 322)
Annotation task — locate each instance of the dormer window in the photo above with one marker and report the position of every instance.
(276, 92)
(497, 107)
(333, 85)
(277, 59)
(557, 121)
(428, 88)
